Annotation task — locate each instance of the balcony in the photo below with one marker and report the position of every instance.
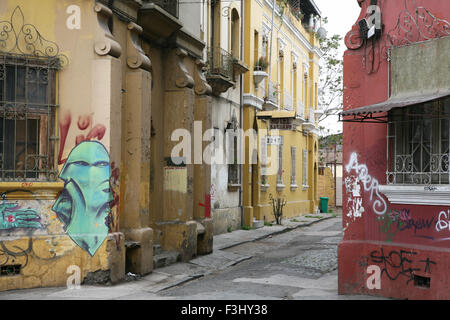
(159, 19)
(300, 116)
(220, 70)
(170, 6)
(271, 100)
(310, 124)
(294, 6)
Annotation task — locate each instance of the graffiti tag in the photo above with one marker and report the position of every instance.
(398, 264)
(443, 221)
(370, 184)
(13, 216)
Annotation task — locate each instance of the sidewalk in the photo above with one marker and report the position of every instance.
(147, 287)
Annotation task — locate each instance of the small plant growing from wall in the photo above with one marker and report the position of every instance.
(261, 64)
(277, 207)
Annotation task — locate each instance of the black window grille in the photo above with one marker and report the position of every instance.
(27, 117)
(419, 144)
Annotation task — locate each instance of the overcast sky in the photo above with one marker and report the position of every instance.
(341, 14)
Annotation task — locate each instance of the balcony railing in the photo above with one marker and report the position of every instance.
(311, 115)
(300, 109)
(288, 103)
(171, 6)
(273, 92)
(219, 62)
(294, 6)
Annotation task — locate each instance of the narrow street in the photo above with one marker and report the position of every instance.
(300, 264)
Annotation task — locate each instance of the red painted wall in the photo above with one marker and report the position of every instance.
(401, 240)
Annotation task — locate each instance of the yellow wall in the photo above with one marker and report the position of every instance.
(300, 200)
(90, 101)
(326, 186)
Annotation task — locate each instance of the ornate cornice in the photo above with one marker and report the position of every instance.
(105, 43)
(136, 57)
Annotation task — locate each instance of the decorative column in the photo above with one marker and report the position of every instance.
(202, 171)
(106, 105)
(135, 170)
(179, 231)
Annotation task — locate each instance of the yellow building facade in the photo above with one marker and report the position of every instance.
(90, 94)
(280, 103)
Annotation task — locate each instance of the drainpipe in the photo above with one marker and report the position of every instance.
(241, 111)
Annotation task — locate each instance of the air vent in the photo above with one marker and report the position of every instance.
(10, 270)
(422, 282)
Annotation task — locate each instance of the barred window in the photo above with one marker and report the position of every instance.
(27, 118)
(305, 168)
(280, 163)
(233, 152)
(263, 155)
(293, 165)
(418, 144)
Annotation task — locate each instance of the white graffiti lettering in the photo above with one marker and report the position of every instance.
(370, 184)
(443, 221)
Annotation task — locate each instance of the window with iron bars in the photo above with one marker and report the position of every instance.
(27, 118)
(232, 147)
(419, 144)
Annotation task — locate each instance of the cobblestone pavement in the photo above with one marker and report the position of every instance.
(296, 265)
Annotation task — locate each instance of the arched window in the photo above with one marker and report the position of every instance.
(215, 23)
(234, 33)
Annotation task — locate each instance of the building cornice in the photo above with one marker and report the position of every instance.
(434, 195)
(295, 31)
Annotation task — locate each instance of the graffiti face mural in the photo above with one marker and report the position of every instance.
(84, 204)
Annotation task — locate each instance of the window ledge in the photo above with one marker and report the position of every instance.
(417, 194)
(305, 186)
(294, 187)
(30, 190)
(280, 186)
(234, 186)
(264, 186)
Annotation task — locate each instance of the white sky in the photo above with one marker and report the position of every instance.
(342, 15)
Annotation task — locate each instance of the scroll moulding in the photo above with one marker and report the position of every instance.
(105, 43)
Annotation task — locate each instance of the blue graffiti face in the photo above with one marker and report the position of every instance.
(84, 204)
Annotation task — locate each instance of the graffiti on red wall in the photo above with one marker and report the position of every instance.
(369, 183)
(428, 227)
(414, 24)
(398, 264)
(394, 221)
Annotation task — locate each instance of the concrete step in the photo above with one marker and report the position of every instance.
(165, 258)
(258, 224)
(156, 249)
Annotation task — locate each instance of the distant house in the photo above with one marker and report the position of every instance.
(330, 169)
